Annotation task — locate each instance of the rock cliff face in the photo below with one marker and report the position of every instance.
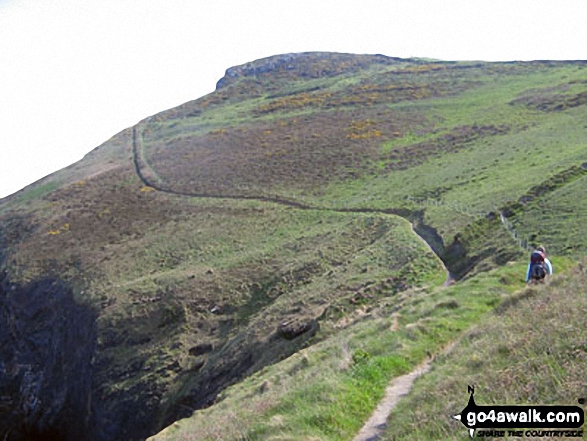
(47, 343)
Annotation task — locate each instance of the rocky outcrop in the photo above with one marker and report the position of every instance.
(304, 65)
(291, 329)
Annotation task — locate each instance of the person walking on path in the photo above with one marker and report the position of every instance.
(539, 266)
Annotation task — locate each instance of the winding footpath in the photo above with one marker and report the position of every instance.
(400, 212)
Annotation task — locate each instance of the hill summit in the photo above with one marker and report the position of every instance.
(309, 65)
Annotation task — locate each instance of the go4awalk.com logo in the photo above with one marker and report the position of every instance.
(555, 421)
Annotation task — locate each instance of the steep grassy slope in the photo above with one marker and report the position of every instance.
(532, 350)
(327, 391)
(222, 236)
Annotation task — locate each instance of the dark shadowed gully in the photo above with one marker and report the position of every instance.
(47, 343)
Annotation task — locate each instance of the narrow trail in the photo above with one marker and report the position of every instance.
(401, 212)
(398, 388)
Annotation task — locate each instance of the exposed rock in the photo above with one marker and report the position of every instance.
(202, 348)
(296, 327)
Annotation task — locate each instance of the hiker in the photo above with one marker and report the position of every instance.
(539, 266)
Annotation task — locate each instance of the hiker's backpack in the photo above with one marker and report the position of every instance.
(538, 271)
(538, 267)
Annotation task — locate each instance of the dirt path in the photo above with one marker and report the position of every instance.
(398, 388)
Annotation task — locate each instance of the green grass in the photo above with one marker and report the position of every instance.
(502, 162)
(553, 219)
(269, 264)
(328, 390)
(530, 351)
(36, 192)
(371, 285)
(480, 177)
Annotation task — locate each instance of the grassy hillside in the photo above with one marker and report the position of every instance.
(530, 351)
(284, 214)
(459, 140)
(328, 390)
(195, 292)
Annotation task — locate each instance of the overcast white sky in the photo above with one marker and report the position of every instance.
(75, 72)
